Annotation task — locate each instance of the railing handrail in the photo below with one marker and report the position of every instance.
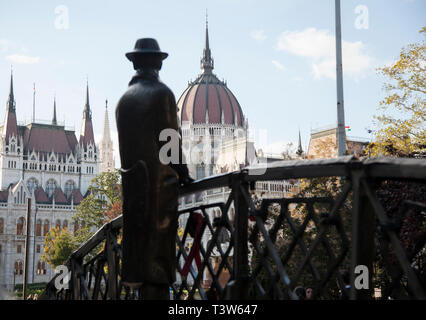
(393, 168)
(289, 169)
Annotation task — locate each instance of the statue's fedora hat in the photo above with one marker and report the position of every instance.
(146, 46)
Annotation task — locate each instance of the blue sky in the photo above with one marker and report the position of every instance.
(276, 56)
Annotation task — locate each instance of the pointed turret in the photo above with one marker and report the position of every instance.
(10, 125)
(207, 63)
(299, 148)
(54, 122)
(106, 146)
(86, 134)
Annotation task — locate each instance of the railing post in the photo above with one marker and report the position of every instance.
(241, 271)
(362, 239)
(75, 285)
(111, 241)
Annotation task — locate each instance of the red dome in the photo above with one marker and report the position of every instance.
(207, 100)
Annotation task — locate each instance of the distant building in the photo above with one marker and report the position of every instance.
(323, 144)
(215, 140)
(46, 163)
(106, 150)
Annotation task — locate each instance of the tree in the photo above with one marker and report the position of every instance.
(59, 244)
(402, 124)
(102, 203)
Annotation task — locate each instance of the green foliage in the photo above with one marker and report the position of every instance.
(32, 289)
(403, 134)
(58, 246)
(103, 192)
(92, 213)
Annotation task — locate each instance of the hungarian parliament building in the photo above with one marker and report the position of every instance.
(45, 162)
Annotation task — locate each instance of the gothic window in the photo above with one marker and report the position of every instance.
(38, 248)
(43, 267)
(20, 226)
(65, 224)
(39, 267)
(46, 226)
(19, 267)
(12, 147)
(200, 171)
(32, 184)
(33, 158)
(1, 225)
(69, 187)
(19, 248)
(38, 228)
(58, 224)
(50, 187)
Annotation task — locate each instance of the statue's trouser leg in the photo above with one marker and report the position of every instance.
(152, 291)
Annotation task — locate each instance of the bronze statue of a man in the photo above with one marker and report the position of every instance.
(150, 188)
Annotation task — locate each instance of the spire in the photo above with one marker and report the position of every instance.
(86, 133)
(10, 126)
(106, 134)
(299, 148)
(54, 122)
(207, 64)
(106, 146)
(87, 113)
(11, 99)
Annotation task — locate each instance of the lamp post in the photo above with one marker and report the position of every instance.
(341, 143)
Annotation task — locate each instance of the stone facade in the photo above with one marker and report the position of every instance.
(45, 163)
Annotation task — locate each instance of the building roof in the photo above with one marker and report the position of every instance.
(44, 139)
(77, 196)
(60, 196)
(40, 195)
(209, 100)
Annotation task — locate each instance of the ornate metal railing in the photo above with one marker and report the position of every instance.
(247, 247)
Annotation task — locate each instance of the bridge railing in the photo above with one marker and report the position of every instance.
(249, 246)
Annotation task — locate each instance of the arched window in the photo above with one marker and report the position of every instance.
(1, 226)
(20, 226)
(50, 187)
(39, 267)
(201, 172)
(43, 267)
(69, 187)
(19, 267)
(75, 228)
(65, 224)
(38, 228)
(58, 224)
(46, 227)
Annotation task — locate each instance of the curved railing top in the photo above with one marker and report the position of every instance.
(380, 168)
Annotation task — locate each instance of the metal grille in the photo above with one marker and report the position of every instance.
(272, 246)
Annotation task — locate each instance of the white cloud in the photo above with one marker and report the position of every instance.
(258, 35)
(319, 46)
(20, 58)
(278, 65)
